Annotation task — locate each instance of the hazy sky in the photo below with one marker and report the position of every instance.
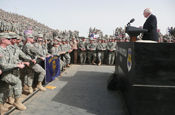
(82, 14)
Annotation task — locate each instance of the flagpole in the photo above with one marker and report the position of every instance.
(45, 63)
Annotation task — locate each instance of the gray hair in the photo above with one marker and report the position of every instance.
(148, 10)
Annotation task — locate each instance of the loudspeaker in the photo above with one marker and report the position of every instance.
(113, 82)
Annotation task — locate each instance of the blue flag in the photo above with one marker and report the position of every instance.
(92, 36)
(52, 68)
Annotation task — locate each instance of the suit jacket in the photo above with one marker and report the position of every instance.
(151, 26)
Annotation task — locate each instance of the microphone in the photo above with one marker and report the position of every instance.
(131, 21)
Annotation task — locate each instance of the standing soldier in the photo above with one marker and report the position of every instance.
(69, 50)
(39, 46)
(111, 48)
(55, 51)
(4, 25)
(45, 47)
(109, 43)
(61, 52)
(66, 56)
(74, 48)
(91, 47)
(19, 42)
(82, 47)
(8, 25)
(101, 48)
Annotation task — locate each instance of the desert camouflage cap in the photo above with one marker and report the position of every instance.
(55, 43)
(45, 38)
(59, 40)
(56, 38)
(92, 39)
(103, 39)
(28, 36)
(63, 40)
(12, 35)
(40, 36)
(112, 38)
(82, 37)
(4, 35)
(18, 37)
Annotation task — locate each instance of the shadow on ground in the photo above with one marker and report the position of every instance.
(88, 91)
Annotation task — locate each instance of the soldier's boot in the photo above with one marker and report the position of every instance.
(39, 86)
(25, 87)
(30, 90)
(99, 63)
(19, 105)
(67, 65)
(93, 63)
(10, 100)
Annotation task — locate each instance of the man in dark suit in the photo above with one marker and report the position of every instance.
(151, 25)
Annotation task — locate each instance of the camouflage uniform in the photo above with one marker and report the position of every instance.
(63, 64)
(45, 49)
(4, 92)
(20, 45)
(111, 46)
(4, 87)
(54, 51)
(91, 53)
(82, 45)
(63, 55)
(31, 51)
(17, 53)
(6, 62)
(39, 49)
(101, 48)
(67, 55)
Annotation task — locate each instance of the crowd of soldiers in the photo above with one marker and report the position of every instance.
(95, 31)
(21, 57)
(167, 38)
(24, 43)
(11, 22)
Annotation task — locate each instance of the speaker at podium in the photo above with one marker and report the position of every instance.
(133, 32)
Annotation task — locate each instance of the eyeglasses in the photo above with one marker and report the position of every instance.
(8, 38)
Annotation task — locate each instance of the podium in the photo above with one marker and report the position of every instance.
(146, 77)
(133, 32)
